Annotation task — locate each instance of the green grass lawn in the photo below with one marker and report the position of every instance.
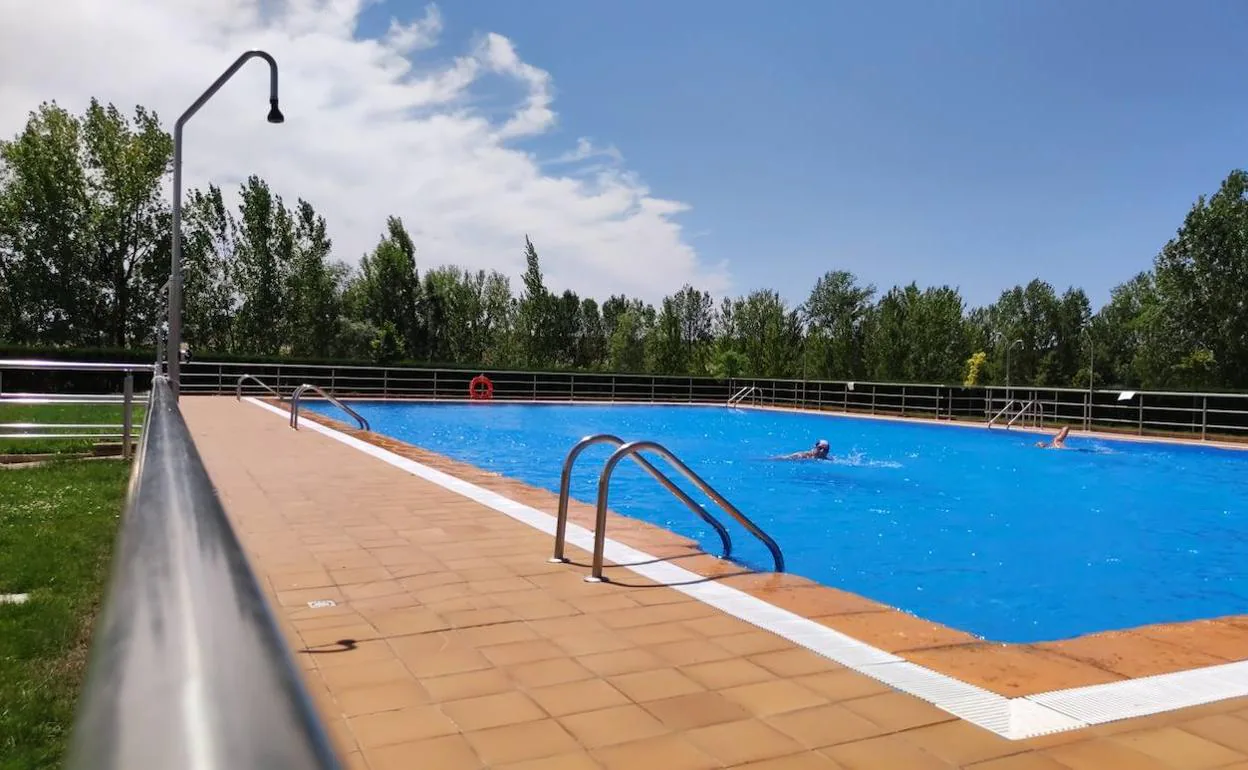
(57, 524)
(82, 414)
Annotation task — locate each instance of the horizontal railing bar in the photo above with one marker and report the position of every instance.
(71, 366)
(67, 425)
(7, 436)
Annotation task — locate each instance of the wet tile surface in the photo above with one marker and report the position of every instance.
(453, 644)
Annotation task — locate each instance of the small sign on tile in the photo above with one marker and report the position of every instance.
(322, 603)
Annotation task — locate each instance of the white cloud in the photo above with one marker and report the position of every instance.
(373, 127)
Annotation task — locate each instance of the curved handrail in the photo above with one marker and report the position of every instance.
(604, 484)
(565, 484)
(238, 388)
(741, 395)
(299, 391)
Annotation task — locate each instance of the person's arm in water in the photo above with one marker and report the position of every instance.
(1058, 442)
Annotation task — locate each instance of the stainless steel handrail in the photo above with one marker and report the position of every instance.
(604, 485)
(565, 486)
(299, 391)
(740, 395)
(1004, 409)
(238, 387)
(188, 668)
(1026, 408)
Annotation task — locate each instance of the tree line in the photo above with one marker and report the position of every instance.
(84, 251)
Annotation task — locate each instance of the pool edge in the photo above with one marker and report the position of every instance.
(790, 606)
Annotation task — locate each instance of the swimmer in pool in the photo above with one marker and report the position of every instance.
(820, 452)
(1058, 442)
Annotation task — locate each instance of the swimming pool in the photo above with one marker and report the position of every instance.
(971, 528)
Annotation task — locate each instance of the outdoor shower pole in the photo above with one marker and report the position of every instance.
(175, 260)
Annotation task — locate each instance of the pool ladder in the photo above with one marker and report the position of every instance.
(633, 450)
(741, 395)
(299, 391)
(1032, 409)
(238, 387)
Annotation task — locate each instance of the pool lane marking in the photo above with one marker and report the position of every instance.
(1014, 718)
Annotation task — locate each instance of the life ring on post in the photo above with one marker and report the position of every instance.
(481, 389)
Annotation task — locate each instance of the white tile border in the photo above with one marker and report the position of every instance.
(1013, 718)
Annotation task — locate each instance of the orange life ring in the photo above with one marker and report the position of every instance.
(481, 389)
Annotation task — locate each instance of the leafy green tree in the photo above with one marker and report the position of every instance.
(46, 259)
(566, 331)
(314, 286)
(210, 238)
(769, 334)
(387, 289)
(835, 313)
(536, 315)
(1202, 280)
(667, 351)
(499, 321)
(627, 346)
(125, 165)
(592, 347)
(262, 259)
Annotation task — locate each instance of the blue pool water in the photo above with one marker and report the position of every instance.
(975, 529)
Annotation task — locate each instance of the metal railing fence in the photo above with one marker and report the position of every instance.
(188, 668)
(56, 431)
(1193, 415)
(1206, 415)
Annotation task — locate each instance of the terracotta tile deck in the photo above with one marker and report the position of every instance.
(453, 644)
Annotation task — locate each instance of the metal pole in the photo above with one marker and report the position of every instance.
(175, 258)
(127, 415)
(1091, 375)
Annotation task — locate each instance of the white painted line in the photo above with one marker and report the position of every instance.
(14, 598)
(1012, 718)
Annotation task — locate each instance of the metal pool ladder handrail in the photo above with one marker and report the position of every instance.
(238, 388)
(741, 395)
(1029, 407)
(1004, 409)
(565, 486)
(604, 484)
(299, 391)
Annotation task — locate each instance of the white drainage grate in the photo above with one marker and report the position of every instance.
(318, 604)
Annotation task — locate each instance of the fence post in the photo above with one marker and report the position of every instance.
(534, 386)
(652, 389)
(333, 380)
(873, 399)
(613, 388)
(127, 415)
(1087, 421)
(572, 387)
(1204, 416)
(220, 381)
(903, 400)
(1141, 420)
(691, 390)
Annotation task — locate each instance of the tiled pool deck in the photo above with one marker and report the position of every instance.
(465, 649)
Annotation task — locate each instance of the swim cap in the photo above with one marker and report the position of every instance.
(821, 443)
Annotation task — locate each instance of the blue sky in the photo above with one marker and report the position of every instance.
(978, 144)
